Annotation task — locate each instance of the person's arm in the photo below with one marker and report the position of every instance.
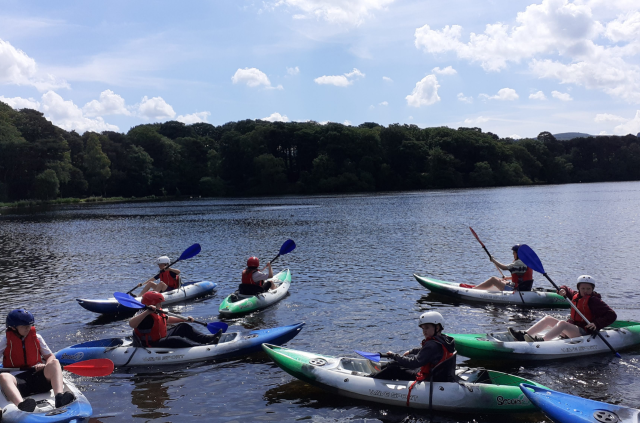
(603, 314)
(136, 320)
(171, 320)
(566, 292)
(268, 266)
(430, 353)
(174, 271)
(500, 265)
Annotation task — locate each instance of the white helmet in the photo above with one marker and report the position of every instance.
(431, 317)
(163, 260)
(587, 279)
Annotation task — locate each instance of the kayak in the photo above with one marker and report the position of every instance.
(124, 354)
(186, 292)
(539, 297)
(45, 411)
(565, 408)
(236, 305)
(502, 346)
(474, 391)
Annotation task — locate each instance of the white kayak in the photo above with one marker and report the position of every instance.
(539, 297)
(45, 411)
(186, 292)
(237, 305)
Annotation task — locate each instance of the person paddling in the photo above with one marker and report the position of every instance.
(416, 364)
(590, 304)
(169, 278)
(23, 348)
(256, 281)
(521, 275)
(150, 328)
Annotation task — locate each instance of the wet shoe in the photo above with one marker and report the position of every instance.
(530, 338)
(63, 399)
(27, 405)
(517, 334)
(216, 338)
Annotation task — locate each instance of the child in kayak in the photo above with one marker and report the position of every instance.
(590, 304)
(169, 278)
(416, 364)
(150, 328)
(23, 348)
(521, 275)
(256, 281)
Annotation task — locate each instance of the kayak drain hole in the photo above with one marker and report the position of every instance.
(318, 361)
(606, 416)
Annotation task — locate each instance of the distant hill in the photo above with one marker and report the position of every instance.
(565, 136)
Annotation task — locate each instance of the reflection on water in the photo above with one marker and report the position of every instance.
(352, 284)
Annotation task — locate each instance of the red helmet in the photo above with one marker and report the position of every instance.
(253, 262)
(152, 298)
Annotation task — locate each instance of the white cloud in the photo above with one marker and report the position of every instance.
(253, 77)
(515, 136)
(475, 121)
(446, 71)
(561, 96)
(630, 127)
(464, 99)
(110, 103)
(425, 92)
(68, 116)
(155, 109)
(17, 68)
(538, 96)
(505, 94)
(347, 122)
(567, 33)
(293, 71)
(340, 80)
(387, 79)
(21, 103)
(196, 117)
(410, 118)
(606, 117)
(352, 12)
(276, 117)
(383, 103)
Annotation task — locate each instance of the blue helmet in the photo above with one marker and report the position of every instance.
(516, 247)
(19, 317)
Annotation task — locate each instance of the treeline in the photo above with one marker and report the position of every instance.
(41, 161)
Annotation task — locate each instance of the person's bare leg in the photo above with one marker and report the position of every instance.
(149, 285)
(9, 386)
(53, 373)
(491, 282)
(545, 322)
(565, 327)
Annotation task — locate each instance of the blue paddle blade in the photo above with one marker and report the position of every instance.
(214, 327)
(530, 258)
(128, 301)
(194, 250)
(369, 356)
(287, 247)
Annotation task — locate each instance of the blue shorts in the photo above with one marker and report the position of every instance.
(508, 287)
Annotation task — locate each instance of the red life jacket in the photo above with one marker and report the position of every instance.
(581, 304)
(157, 331)
(22, 353)
(425, 370)
(516, 279)
(247, 277)
(170, 280)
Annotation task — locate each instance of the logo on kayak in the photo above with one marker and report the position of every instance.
(247, 305)
(521, 400)
(72, 357)
(391, 395)
(580, 349)
(164, 358)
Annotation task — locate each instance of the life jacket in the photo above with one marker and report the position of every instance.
(22, 353)
(247, 277)
(173, 283)
(527, 277)
(157, 331)
(581, 304)
(425, 371)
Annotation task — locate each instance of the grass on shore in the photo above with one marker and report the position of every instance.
(25, 204)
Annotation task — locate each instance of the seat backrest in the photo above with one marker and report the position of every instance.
(445, 371)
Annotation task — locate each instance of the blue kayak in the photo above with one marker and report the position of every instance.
(186, 292)
(124, 354)
(565, 408)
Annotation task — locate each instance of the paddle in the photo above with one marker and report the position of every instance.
(89, 368)
(371, 356)
(286, 248)
(530, 258)
(192, 251)
(127, 301)
(485, 250)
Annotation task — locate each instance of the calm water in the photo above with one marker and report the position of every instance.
(352, 285)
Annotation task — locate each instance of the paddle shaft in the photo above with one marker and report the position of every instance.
(485, 250)
(573, 306)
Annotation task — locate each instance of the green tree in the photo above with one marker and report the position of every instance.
(97, 166)
(46, 185)
(482, 175)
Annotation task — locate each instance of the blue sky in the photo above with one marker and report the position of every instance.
(512, 67)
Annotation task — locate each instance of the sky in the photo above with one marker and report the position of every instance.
(512, 67)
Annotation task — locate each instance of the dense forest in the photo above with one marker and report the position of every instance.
(41, 161)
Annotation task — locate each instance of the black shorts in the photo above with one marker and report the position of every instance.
(32, 382)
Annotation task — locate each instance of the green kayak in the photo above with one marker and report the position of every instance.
(236, 305)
